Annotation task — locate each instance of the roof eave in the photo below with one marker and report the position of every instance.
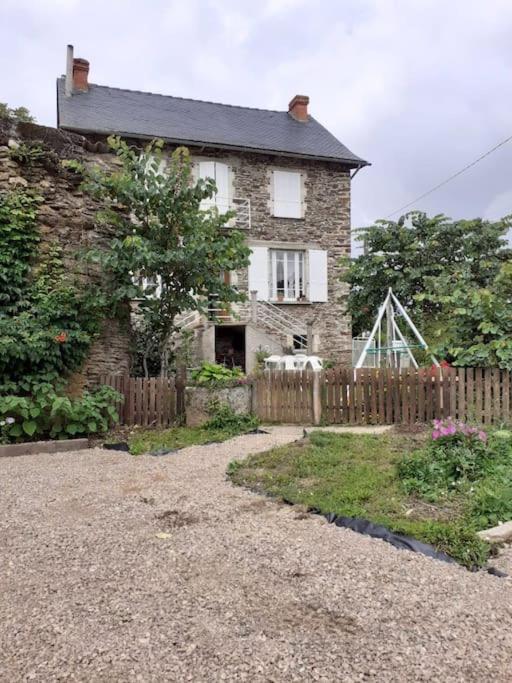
(350, 163)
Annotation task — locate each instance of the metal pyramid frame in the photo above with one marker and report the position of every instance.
(396, 342)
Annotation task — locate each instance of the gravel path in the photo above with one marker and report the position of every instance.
(115, 568)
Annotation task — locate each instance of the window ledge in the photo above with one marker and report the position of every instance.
(277, 302)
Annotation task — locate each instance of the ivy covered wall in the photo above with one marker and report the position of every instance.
(55, 223)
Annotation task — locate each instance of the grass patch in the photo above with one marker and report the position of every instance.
(223, 424)
(177, 437)
(357, 476)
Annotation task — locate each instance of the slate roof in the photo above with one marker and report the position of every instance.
(132, 113)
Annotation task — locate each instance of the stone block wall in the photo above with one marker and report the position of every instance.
(66, 216)
(326, 225)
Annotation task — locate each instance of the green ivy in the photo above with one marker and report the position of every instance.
(19, 240)
(47, 319)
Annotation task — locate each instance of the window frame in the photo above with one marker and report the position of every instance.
(300, 275)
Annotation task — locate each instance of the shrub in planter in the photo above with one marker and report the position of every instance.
(211, 374)
(46, 414)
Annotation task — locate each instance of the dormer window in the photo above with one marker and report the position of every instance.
(287, 194)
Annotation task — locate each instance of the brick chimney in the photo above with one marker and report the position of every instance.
(80, 74)
(298, 107)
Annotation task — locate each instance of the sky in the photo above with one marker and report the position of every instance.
(419, 88)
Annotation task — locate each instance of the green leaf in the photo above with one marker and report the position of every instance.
(16, 430)
(29, 427)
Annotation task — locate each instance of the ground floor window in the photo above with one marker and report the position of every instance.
(287, 281)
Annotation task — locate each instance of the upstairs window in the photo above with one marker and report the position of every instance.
(287, 275)
(287, 188)
(218, 172)
(287, 281)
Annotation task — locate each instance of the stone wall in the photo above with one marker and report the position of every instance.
(66, 216)
(326, 225)
(198, 399)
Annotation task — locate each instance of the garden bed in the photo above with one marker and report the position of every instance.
(359, 476)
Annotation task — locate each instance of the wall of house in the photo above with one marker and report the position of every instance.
(66, 216)
(326, 225)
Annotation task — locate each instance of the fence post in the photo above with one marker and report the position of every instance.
(317, 398)
(181, 382)
(309, 338)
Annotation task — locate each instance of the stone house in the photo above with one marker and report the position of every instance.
(287, 178)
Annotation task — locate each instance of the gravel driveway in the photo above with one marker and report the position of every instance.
(115, 568)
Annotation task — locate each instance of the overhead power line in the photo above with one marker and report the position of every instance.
(455, 175)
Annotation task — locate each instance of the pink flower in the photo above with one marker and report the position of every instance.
(436, 434)
(482, 436)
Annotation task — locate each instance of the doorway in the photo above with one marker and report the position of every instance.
(230, 346)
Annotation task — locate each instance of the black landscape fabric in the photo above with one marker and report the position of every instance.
(363, 526)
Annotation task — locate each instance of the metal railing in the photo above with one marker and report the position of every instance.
(275, 318)
(262, 313)
(242, 220)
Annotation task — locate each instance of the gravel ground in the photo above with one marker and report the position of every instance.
(115, 568)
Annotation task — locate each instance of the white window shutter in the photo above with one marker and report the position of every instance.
(258, 272)
(287, 194)
(222, 182)
(317, 275)
(207, 170)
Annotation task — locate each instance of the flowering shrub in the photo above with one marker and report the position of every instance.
(460, 430)
(456, 455)
(5, 424)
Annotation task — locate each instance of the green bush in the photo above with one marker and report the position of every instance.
(47, 414)
(456, 455)
(211, 374)
(224, 418)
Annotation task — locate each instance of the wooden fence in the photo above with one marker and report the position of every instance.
(384, 396)
(152, 402)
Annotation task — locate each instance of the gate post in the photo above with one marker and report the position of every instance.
(317, 398)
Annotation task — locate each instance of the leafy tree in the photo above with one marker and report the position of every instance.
(17, 114)
(476, 327)
(450, 275)
(167, 253)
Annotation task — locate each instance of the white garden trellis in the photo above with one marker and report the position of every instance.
(396, 342)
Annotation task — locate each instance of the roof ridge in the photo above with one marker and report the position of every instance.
(187, 99)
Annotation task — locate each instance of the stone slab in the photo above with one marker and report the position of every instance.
(32, 447)
(498, 534)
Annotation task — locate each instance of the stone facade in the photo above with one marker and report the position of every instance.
(326, 225)
(66, 216)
